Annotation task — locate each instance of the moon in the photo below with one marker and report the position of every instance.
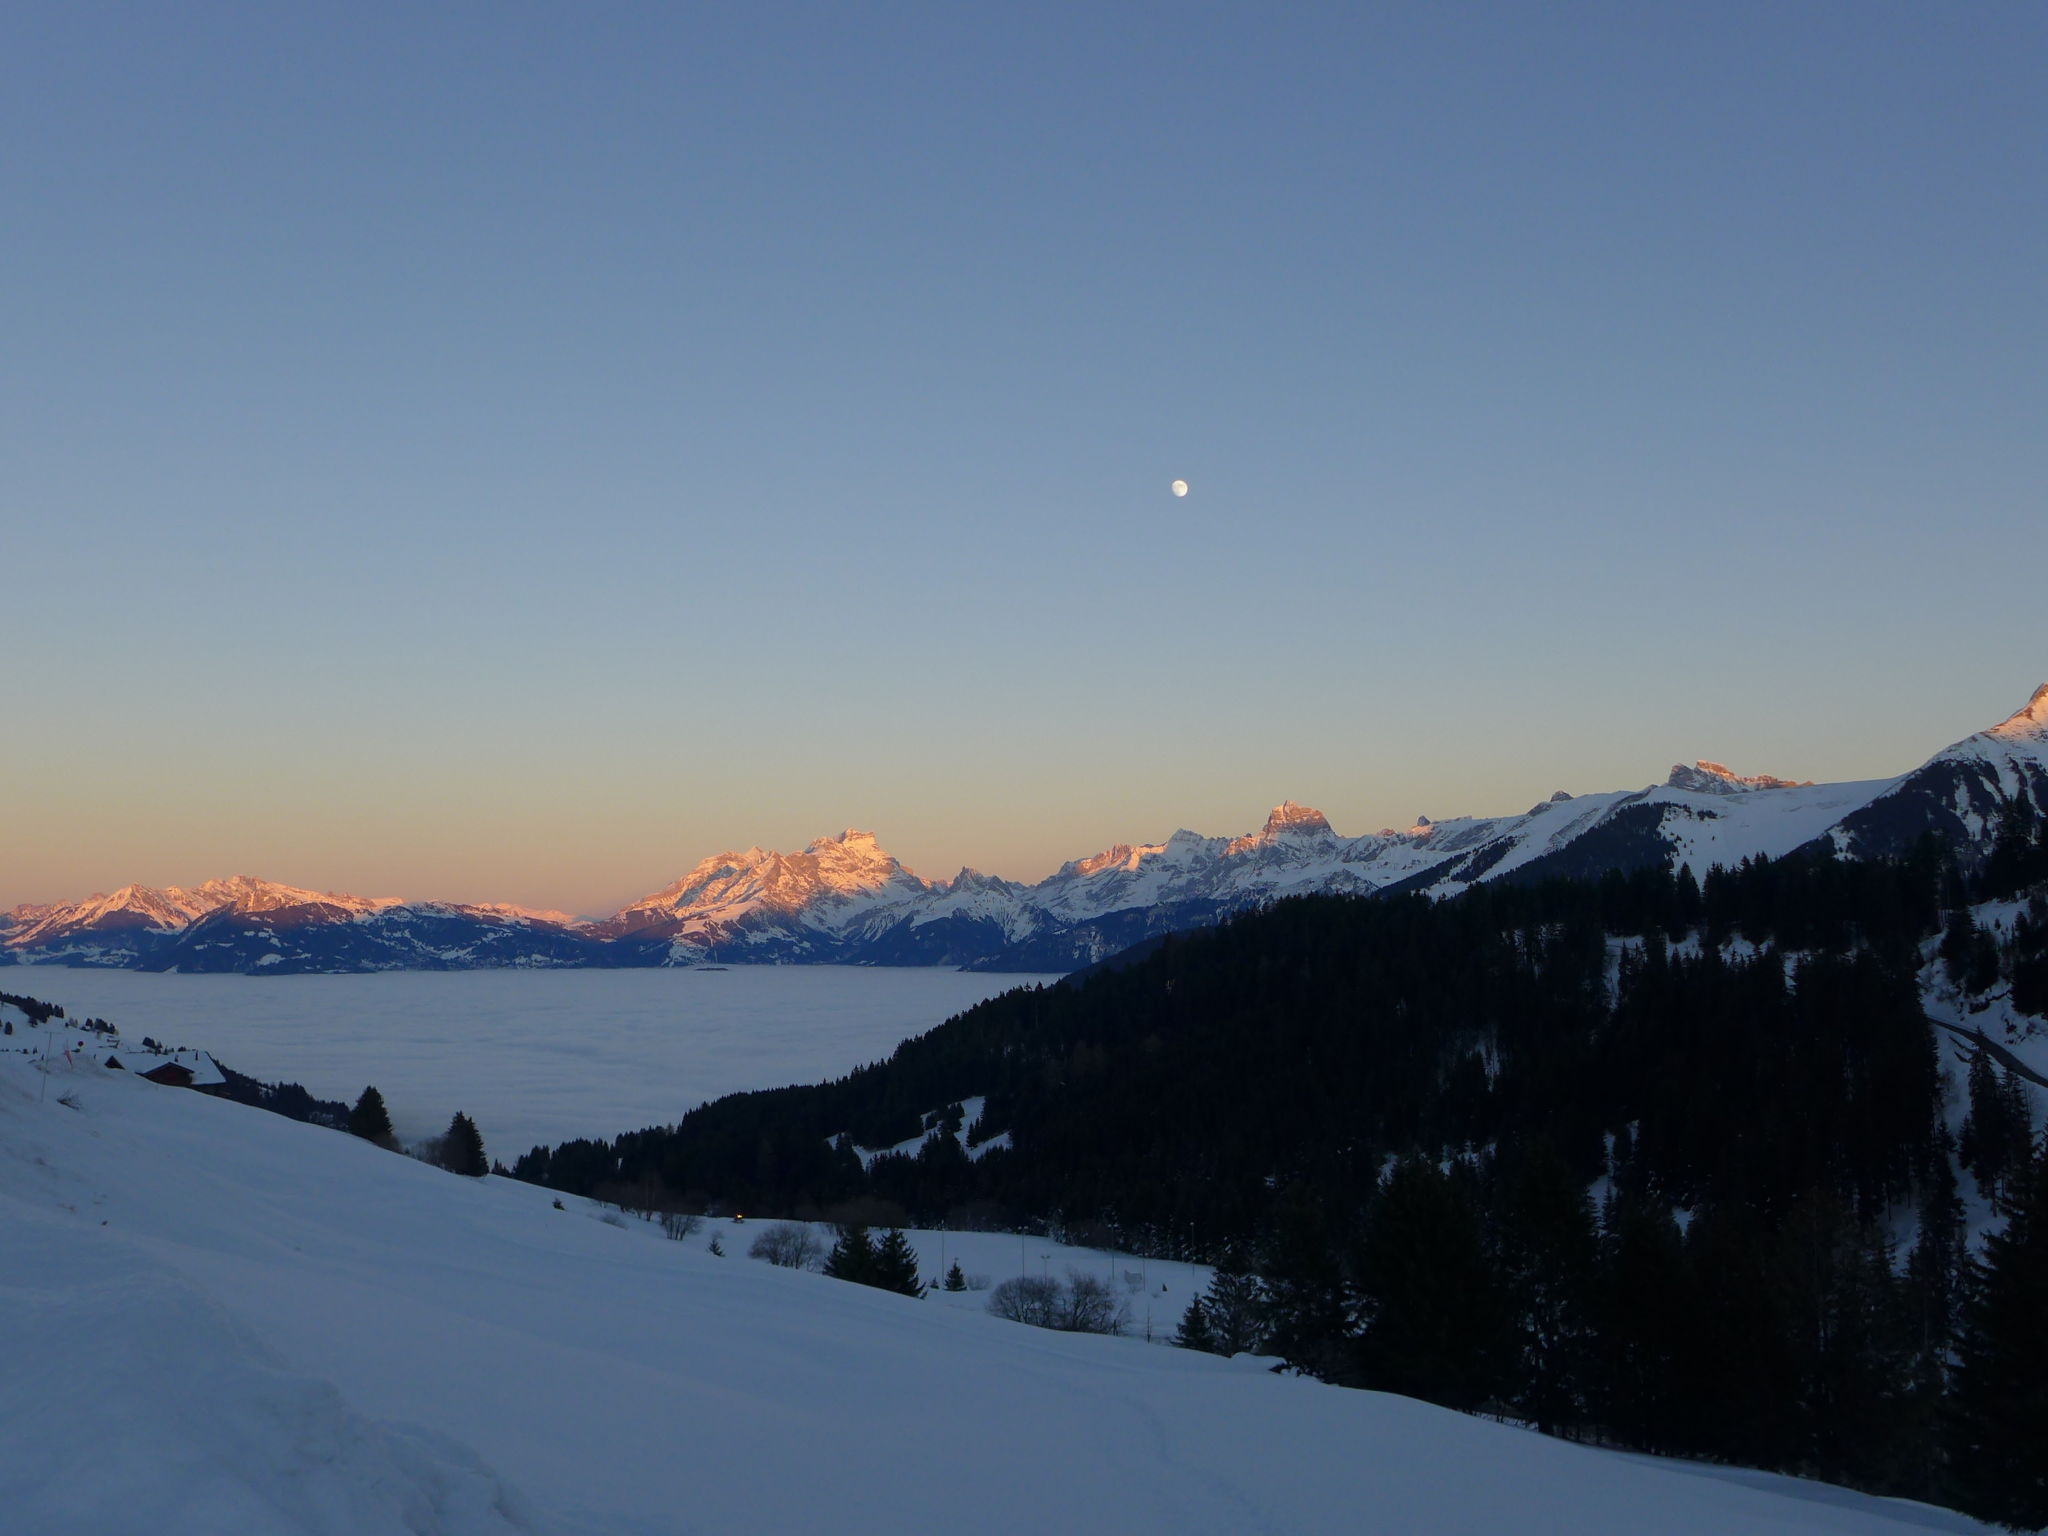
(1180, 487)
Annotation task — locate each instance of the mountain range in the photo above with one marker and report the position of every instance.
(845, 900)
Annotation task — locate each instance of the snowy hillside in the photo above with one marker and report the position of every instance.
(218, 1320)
(1960, 793)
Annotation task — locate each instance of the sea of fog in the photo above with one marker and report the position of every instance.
(531, 1056)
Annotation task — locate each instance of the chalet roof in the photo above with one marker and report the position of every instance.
(206, 1073)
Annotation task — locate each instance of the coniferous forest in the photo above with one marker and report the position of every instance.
(1672, 1164)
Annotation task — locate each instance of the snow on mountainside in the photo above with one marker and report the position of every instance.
(1717, 779)
(172, 908)
(220, 1320)
(246, 924)
(760, 899)
(1961, 793)
(844, 899)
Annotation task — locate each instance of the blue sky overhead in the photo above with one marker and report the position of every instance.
(511, 451)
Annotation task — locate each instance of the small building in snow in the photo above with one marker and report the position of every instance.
(174, 1069)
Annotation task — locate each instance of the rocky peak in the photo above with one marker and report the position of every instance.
(2028, 724)
(1705, 778)
(852, 840)
(1297, 820)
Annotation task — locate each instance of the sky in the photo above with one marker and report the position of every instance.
(512, 451)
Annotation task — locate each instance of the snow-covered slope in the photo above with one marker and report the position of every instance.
(217, 1320)
(792, 903)
(246, 924)
(1960, 793)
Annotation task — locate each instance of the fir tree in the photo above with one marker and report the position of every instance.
(717, 1246)
(1549, 1255)
(1428, 1293)
(1649, 1309)
(1235, 1306)
(1935, 1270)
(955, 1279)
(852, 1257)
(1302, 1289)
(1194, 1330)
(1998, 1131)
(894, 1265)
(462, 1149)
(370, 1120)
(2001, 1396)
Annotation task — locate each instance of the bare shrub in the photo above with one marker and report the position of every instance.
(788, 1246)
(978, 1282)
(677, 1225)
(1091, 1305)
(1084, 1303)
(643, 1197)
(1033, 1299)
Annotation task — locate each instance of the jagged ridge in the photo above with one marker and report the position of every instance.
(845, 899)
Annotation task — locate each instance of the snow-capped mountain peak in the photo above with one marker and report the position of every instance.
(130, 907)
(1707, 778)
(249, 895)
(844, 898)
(2027, 724)
(515, 913)
(761, 897)
(1289, 819)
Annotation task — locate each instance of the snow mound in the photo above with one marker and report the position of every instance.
(129, 1394)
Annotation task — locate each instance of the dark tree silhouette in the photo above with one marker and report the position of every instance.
(370, 1120)
(462, 1149)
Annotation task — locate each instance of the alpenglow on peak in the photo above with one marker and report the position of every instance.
(1289, 817)
(2030, 723)
(1708, 778)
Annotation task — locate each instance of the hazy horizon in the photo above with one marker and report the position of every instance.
(511, 452)
(942, 869)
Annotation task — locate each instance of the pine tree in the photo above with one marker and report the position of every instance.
(1302, 1288)
(2001, 1394)
(1435, 1318)
(852, 1257)
(1549, 1254)
(1194, 1330)
(1986, 1139)
(894, 1266)
(1935, 1270)
(1998, 1132)
(1236, 1307)
(370, 1120)
(2017, 1112)
(462, 1149)
(955, 1279)
(717, 1246)
(1649, 1310)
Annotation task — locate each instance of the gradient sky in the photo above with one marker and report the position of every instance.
(511, 451)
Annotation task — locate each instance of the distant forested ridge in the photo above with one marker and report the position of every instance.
(1661, 1162)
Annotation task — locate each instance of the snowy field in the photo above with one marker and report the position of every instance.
(532, 1056)
(1155, 1292)
(218, 1320)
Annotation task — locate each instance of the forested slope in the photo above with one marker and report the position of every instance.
(1668, 1163)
